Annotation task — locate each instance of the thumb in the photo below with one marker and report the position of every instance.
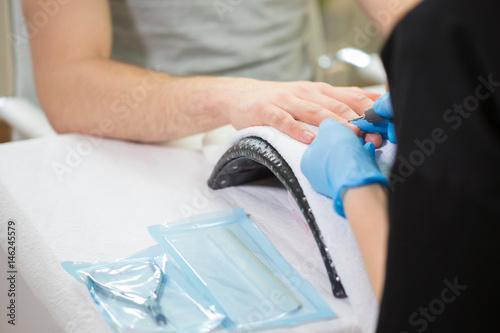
(370, 148)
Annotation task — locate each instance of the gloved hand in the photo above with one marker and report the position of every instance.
(337, 159)
(382, 107)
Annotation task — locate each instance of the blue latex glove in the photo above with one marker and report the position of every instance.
(383, 107)
(337, 159)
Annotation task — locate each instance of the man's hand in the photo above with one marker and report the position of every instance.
(282, 105)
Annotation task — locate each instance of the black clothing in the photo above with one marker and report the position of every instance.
(443, 65)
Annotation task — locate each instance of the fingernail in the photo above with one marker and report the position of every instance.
(353, 128)
(307, 136)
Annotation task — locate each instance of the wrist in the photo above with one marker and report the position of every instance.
(222, 95)
(372, 195)
(363, 171)
(206, 95)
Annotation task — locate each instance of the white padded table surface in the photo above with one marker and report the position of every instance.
(78, 199)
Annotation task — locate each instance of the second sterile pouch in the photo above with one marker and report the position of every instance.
(146, 293)
(226, 257)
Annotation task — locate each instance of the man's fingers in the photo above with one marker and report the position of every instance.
(323, 94)
(314, 113)
(356, 99)
(354, 128)
(338, 107)
(370, 94)
(284, 122)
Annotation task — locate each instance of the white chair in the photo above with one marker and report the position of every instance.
(18, 102)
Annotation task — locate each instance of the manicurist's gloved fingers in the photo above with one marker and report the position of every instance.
(370, 148)
(391, 133)
(383, 106)
(336, 160)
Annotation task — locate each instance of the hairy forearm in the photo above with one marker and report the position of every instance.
(387, 13)
(366, 210)
(105, 97)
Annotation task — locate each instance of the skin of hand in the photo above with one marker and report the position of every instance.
(82, 90)
(281, 104)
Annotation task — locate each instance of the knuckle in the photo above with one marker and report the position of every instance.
(314, 109)
(322, 86)
(279, 119)
(269, 111)
(293, 127)
(302, 87)
(283, 95)
(362, 99)
(259, 107)
(341, 109)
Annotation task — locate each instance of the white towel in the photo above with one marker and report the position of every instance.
(335, 230)
(101, 210)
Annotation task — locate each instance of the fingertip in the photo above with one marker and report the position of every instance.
(353, 128)
(375, 138)
(370, 145)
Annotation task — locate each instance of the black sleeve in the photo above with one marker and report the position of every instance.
(443, 65)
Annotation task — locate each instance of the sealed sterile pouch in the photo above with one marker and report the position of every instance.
(228, 259)
(146, 293)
